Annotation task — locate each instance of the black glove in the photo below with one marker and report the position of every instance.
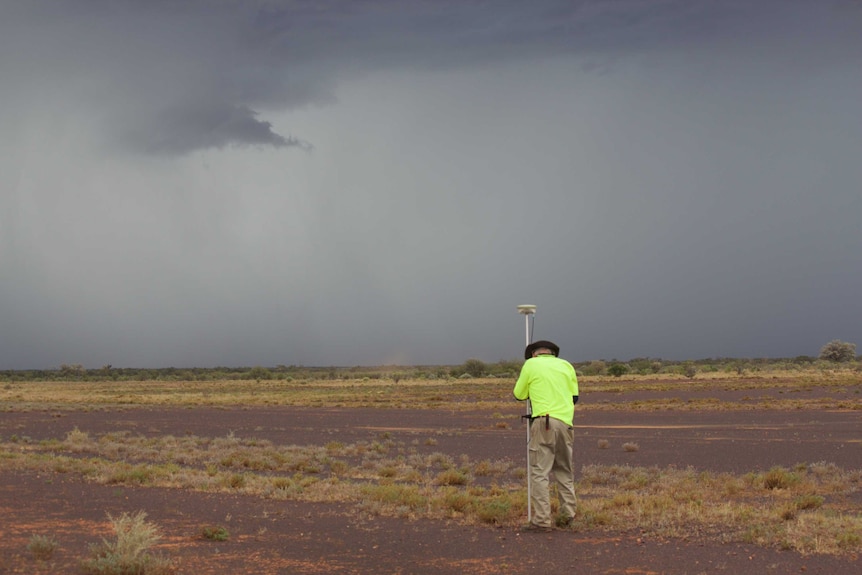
(574, 399)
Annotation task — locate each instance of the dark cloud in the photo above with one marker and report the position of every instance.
(184, 130)
(667, 178)
(174, 77)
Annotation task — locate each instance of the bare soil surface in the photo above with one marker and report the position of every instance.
(275, 537)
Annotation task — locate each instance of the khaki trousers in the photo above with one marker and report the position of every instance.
(551, 454)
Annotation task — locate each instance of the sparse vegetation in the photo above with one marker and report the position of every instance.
(785, 507)
(811, 508)
(679, 502)
(353, 387)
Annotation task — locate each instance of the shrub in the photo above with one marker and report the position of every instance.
(630, 446)
(494, 511)
(258, 373)
(788, 513)
(42, 546)
(838, 351)
(234, 481)
(618, 369)
(408, 496)
(388, 471)
(129, 554)
(474, 367)
(215, 533)
(458, 501)
(78, 440)
(779, 478)
(452, 477)
(597, 367)
(808, 502)
(848, 539)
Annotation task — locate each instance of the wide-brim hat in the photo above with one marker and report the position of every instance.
(555, 349)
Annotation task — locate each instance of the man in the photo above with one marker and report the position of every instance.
(551, 385)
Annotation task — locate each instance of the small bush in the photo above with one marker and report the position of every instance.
(494, 511)
(618, 369)
(623, 500)
(42, 546)
(788, 513)
(588, 518)
(474, 368)
(458, 501)
(76, 436)
(215, 533)
(235, 481)
(486, 468)
(848, 539)
(603, 443)
(838, 351)
(808, 502)
(593, 368)
(630, 447)
(452, 477)
(408, 496)
(388, 471)
(129, 554)
(779, 478)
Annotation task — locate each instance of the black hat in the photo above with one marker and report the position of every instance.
(555, 349)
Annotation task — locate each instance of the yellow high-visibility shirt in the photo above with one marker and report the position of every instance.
(549, 383)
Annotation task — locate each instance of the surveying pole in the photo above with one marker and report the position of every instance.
(528, 311)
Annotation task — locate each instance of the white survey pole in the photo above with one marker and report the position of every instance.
(528, 311)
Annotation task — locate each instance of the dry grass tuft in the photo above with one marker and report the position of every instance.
(130, 552)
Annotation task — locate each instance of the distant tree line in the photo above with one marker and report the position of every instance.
(834, 352)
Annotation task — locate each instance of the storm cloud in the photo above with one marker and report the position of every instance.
(335, 183)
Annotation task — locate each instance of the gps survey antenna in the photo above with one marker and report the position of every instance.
(528, 311)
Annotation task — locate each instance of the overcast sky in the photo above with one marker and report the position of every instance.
(324, 182)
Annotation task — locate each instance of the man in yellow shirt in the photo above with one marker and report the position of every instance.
(551, 385)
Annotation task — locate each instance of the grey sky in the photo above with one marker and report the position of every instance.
(209, 183)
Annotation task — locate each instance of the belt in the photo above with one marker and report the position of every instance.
(547, 420)
(532, 419)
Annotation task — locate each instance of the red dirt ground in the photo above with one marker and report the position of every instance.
(269, 537)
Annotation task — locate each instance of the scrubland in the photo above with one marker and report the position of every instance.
(809, 507)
